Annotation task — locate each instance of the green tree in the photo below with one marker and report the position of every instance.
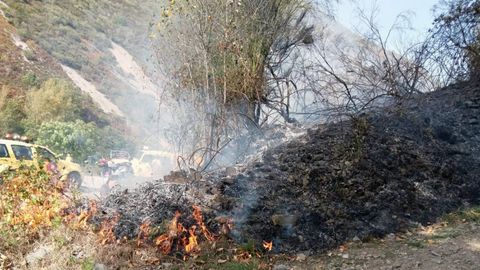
(225, 59)
(230, 50)
(11, 111)
(79, 139)
(55, 100)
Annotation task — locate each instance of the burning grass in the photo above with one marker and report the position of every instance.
(30, 204)
(186, 240)
(170, 237)
(172, 247)
(223, 253)
(36, 211)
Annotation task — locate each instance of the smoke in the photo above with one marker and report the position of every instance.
(189, 123)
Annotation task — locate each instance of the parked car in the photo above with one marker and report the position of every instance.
(15, 153)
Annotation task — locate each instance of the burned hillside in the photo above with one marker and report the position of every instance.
(366, 177)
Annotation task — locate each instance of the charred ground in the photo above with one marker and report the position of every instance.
(365, 177)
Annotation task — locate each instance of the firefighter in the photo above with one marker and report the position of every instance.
(104, 168)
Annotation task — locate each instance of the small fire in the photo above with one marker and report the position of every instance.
(268, 245)
(192, 240)
(177, 237)
(197, 215)
(106, 234)
(165, 241)
(143, 233)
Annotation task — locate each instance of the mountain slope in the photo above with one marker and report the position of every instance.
(105, 47)
(35, 90)
(21, 60)
(25, 66)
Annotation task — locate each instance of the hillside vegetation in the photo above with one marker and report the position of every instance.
(79, 33)
(82, 34)
(34, 92)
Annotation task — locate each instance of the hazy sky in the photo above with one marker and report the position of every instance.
(420, 11)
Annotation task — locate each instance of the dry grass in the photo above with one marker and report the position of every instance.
(30, 205)
(74, 249)
(36, 215)
(14, 68)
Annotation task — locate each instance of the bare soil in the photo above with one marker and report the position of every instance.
(451, 243)
(439, 246)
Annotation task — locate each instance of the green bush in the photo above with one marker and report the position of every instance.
(30, 79)
(11, 111)
(79, 139)
(55, 100)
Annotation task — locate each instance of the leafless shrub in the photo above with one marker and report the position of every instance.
(455, 39)
(236, 65)
(224, 60)
(347, 74)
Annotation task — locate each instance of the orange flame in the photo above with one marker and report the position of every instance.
(143, 233)
(106, 233)
(176, 234)
(268, 245)
(192, 240)
(174, 225)
(165, 241)
(197, 215)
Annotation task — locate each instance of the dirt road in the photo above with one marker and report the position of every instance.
(440, 246)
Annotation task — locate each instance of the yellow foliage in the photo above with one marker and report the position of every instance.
(29, 203)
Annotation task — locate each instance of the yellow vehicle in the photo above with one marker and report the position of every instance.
(158, 163)
(153, 163)
(15, 153)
